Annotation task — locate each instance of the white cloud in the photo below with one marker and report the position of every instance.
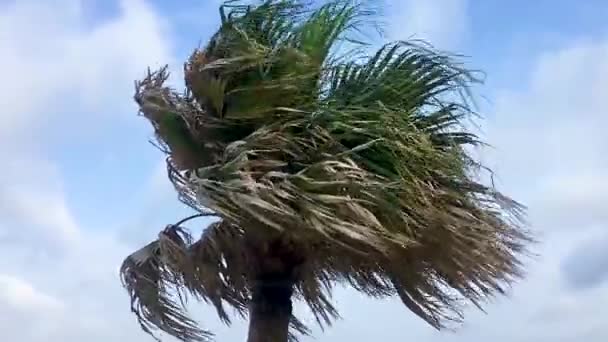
(58, 281)
(56, 67)
(443, 23)
(22, 296)
(550, 136)
(33, 207)
(576, 199)
(22, 302)
(586, 266)
(564, 97)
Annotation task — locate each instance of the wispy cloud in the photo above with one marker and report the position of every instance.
(444, 23)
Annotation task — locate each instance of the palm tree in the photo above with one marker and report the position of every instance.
(320, 168)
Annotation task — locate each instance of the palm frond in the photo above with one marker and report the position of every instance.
(157, 275)
(152, 287)
(327, 26)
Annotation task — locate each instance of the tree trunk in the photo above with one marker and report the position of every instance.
(274, 264)
(270, 310)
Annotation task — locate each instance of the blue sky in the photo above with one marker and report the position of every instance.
(81, 187)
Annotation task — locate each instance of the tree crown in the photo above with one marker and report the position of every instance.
(357, 164)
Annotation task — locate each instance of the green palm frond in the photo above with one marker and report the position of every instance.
(327, 26)
(357, 168)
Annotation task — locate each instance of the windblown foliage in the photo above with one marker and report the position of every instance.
(356, 167)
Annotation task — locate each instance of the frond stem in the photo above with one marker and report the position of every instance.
(182, 221)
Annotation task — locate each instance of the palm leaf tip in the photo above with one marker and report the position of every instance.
(362, 164)
(152, 289)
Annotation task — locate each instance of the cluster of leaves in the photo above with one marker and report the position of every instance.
(359, 164)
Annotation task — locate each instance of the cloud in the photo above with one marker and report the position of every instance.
(550, 138)
(587, 266)
(444, 23)
(554, 123)
(70, 297)
(22, 302)
(22, 296)
(64, 78)
(56, 74)
(577, 199)
(33, 207)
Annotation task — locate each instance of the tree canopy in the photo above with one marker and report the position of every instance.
(355, 167)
